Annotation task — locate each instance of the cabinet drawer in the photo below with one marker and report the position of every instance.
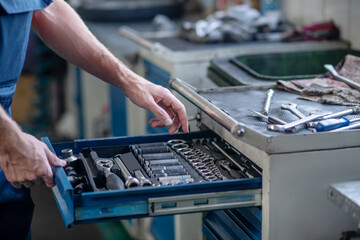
(241, 187)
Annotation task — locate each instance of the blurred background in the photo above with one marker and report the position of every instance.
(160, 39)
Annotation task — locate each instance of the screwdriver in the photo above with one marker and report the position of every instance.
(269, 119)
(330, 124)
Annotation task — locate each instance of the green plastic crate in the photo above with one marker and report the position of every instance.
(289, 66)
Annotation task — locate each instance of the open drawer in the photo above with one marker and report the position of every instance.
(238, 187)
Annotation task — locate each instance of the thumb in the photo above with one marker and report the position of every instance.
(54, 160)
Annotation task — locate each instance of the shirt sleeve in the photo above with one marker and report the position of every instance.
(21, 6)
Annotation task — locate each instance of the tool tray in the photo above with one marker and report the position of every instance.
(226, 111)
(189, 190)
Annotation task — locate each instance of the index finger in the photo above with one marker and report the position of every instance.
(179, 109)
(48, 176)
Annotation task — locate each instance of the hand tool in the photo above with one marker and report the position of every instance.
(199, 166)
(289, 126)
(70, 171)
(160, 167)
(167, 162)
(349, 111)
(179, 145)
(269, 119)
(176, 179)
(330, 124)
(242, 169)
(79, 188)
(158, 156)
(343, 79)
(210, 177)
(130, 181)
(147, 150)
(233, 173)
(185, 151)
(68, 155)
(292, 108)
(144, 182)
(266, 108)
(113, 182)
(80, 184)
(155, 144)
(353, 126)
(170, 172)
(175, 141)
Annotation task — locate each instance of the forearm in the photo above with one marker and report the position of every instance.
(60, 27)
(8, 129)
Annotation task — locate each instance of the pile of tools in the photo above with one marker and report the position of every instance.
(317, 122)
(156, 164)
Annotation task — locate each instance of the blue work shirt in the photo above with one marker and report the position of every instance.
(16, 206)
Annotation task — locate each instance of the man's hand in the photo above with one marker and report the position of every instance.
(166, 107)
(24, 159)
(61, 29)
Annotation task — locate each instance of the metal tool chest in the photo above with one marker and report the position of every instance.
(287, 199)
(297, 168)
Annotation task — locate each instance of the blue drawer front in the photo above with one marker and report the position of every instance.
(160, 77)
(240, 223)
(129, 203)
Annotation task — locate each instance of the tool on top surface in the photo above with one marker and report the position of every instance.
(353, 110)
(290, 126)
(343, 79)
(353, 126)
(266, 108)
(292, 107)
(130, 181)
(113, 182)
(330, 124)
(270, 119)
(349, 111)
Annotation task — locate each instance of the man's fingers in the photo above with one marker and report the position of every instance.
(16, 185)
(179, 111)
(28, 184)
(161, 114)
(156, 123)
(47, 176)
(54, 160)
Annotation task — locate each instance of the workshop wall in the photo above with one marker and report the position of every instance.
(345, 14)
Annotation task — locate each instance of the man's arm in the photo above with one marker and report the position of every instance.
(23, 158)
(61, 29)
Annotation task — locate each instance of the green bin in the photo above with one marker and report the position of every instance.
(254, 69)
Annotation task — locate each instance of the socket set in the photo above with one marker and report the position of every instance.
(171, 162)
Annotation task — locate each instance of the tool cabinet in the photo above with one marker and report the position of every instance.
(297, 168)
(286, 200)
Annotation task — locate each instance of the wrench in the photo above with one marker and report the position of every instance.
(292, 108)
(144, 182)
(352, 110)
(130, 181)
(288, 127)
(269, 94)
(113, 182)
(233, 173)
